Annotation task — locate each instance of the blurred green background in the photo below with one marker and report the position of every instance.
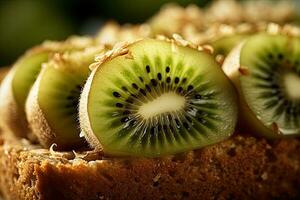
(24, 23)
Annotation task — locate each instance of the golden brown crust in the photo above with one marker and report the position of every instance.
(242, 167)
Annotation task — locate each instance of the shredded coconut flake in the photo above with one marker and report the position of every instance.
(79, 155)
(119, 49)
(156, 178)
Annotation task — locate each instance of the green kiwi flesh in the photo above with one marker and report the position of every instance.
(158, 99)
(271, 84)
(55, 96)
(24, 77)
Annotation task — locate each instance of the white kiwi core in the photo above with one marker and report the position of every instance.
(167, 102)
(292, 85)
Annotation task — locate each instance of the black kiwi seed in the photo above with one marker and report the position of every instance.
(148, 88)
(141, 79)
(167, 69)
(183, 80)
(133, 95)
(176, 80)
(154, 82)
(190, 87)
(168, 79)
(186, 125)
(177, 123)
(119, 105)
(179, 89)
(124, 119)
(198, 96)
(143, 92)
(159, 76)
(126, 112)
(148, 68)
(280, 56)
(116, 94)
(152, 131)
(274, 86)
(135, 86)
(124, 89)
(169, 116)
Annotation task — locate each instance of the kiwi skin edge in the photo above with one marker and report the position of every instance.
(10, 118)
(38, 117)
(83, 116)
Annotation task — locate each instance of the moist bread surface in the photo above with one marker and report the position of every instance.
(242, 167)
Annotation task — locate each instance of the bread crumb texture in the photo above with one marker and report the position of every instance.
(242, 167)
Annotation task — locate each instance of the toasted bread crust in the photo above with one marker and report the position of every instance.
(242, 167)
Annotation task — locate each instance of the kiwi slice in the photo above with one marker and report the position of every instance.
(21, 77)
(266, 70)
(51, 107)
(156, 97)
